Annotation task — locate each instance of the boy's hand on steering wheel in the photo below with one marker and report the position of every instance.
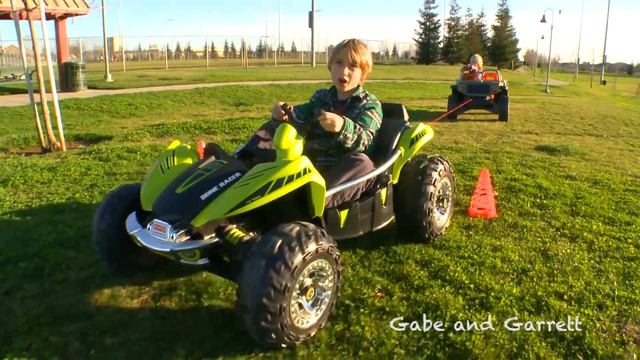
(278, 113)
(330, 122)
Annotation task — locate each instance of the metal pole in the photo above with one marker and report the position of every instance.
(575, 77)
(107, 74)
(604, 50)
(535, 67)
(52, 78)
(546, 85)
(25, 69)
(278, 45)
(313, 33)
(124, 60)
(166, 57)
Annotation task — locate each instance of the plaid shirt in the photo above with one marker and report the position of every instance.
(362, 114)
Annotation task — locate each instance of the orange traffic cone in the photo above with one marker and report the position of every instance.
(483, 204)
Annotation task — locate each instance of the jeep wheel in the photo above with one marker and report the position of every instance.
(503, 106)
(289, 284)
(115, 247)
(426, 195)
(452, 102)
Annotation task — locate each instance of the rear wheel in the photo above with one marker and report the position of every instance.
(289, 284)
(452, 102)
(426, 195)
(116, 249)
(503, 106)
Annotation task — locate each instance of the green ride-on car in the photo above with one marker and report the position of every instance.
(266, 227)
(489, 91)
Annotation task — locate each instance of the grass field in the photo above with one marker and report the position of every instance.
(566, 169)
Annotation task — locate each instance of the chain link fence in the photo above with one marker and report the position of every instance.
(145, 52)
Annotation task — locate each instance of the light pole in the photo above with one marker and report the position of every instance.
(312, 25)
(107, 74)
(604, 51)
(575, 77)
(544, 21)
(535, 68)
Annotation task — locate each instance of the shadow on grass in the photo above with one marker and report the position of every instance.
(469, 116)
(11, 90)
(49, 281)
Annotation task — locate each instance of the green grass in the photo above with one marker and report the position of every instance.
(566, 243)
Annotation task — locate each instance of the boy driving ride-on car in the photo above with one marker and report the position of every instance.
(343, 121)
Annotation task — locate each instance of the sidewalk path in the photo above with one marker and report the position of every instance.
(23, 99)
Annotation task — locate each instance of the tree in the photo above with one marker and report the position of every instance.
(452, 49)
(139, 51)
(428, 40)
(188, 52)
(294, 49)
(177, 54)
(260, 49)
(503, 48)
(225, 50)
(213, 51)
(394, 52)
(630, 69)
(476, 37)
(232, 50)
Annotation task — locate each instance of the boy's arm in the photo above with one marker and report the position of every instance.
(358, 133)
(307, 111)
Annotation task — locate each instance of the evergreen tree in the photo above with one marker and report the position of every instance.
(294, 49)
(452, 49)
(475, 37)
(260, 49)
(232, 50)
(177, 54)
(504, 44)
(394, 52)
(428, 40)
(213, 51)
(187, 51)
(225, 50)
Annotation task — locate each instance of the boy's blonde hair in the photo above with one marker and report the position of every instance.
(476, 59)
(357, 52)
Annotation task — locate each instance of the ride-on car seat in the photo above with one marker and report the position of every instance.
(374, 208)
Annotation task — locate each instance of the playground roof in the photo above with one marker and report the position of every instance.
(54, 8)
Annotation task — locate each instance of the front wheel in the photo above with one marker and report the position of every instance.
(426, 195)
(110, 237)
(289, 284)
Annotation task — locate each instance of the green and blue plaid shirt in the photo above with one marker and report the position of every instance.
(362, 114)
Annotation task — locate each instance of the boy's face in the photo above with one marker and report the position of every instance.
(345, 76)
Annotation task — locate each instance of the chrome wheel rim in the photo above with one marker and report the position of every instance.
(312, 292)
(443, 202)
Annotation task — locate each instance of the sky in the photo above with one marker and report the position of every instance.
(382, 22)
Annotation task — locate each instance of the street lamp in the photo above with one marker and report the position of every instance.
(107, 73)
(604, 50)
(544, 21)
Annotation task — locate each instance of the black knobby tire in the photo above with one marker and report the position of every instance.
(267, 285)
(452, 102)
(425, 197)
(116, 249)
(503, 106)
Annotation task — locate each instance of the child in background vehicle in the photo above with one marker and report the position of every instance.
(343, 121)
(472, 71)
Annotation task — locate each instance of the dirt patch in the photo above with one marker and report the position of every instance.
(37, 150)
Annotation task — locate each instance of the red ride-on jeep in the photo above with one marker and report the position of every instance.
(490, 93)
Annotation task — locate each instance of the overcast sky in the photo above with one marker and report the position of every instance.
(381, 21)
